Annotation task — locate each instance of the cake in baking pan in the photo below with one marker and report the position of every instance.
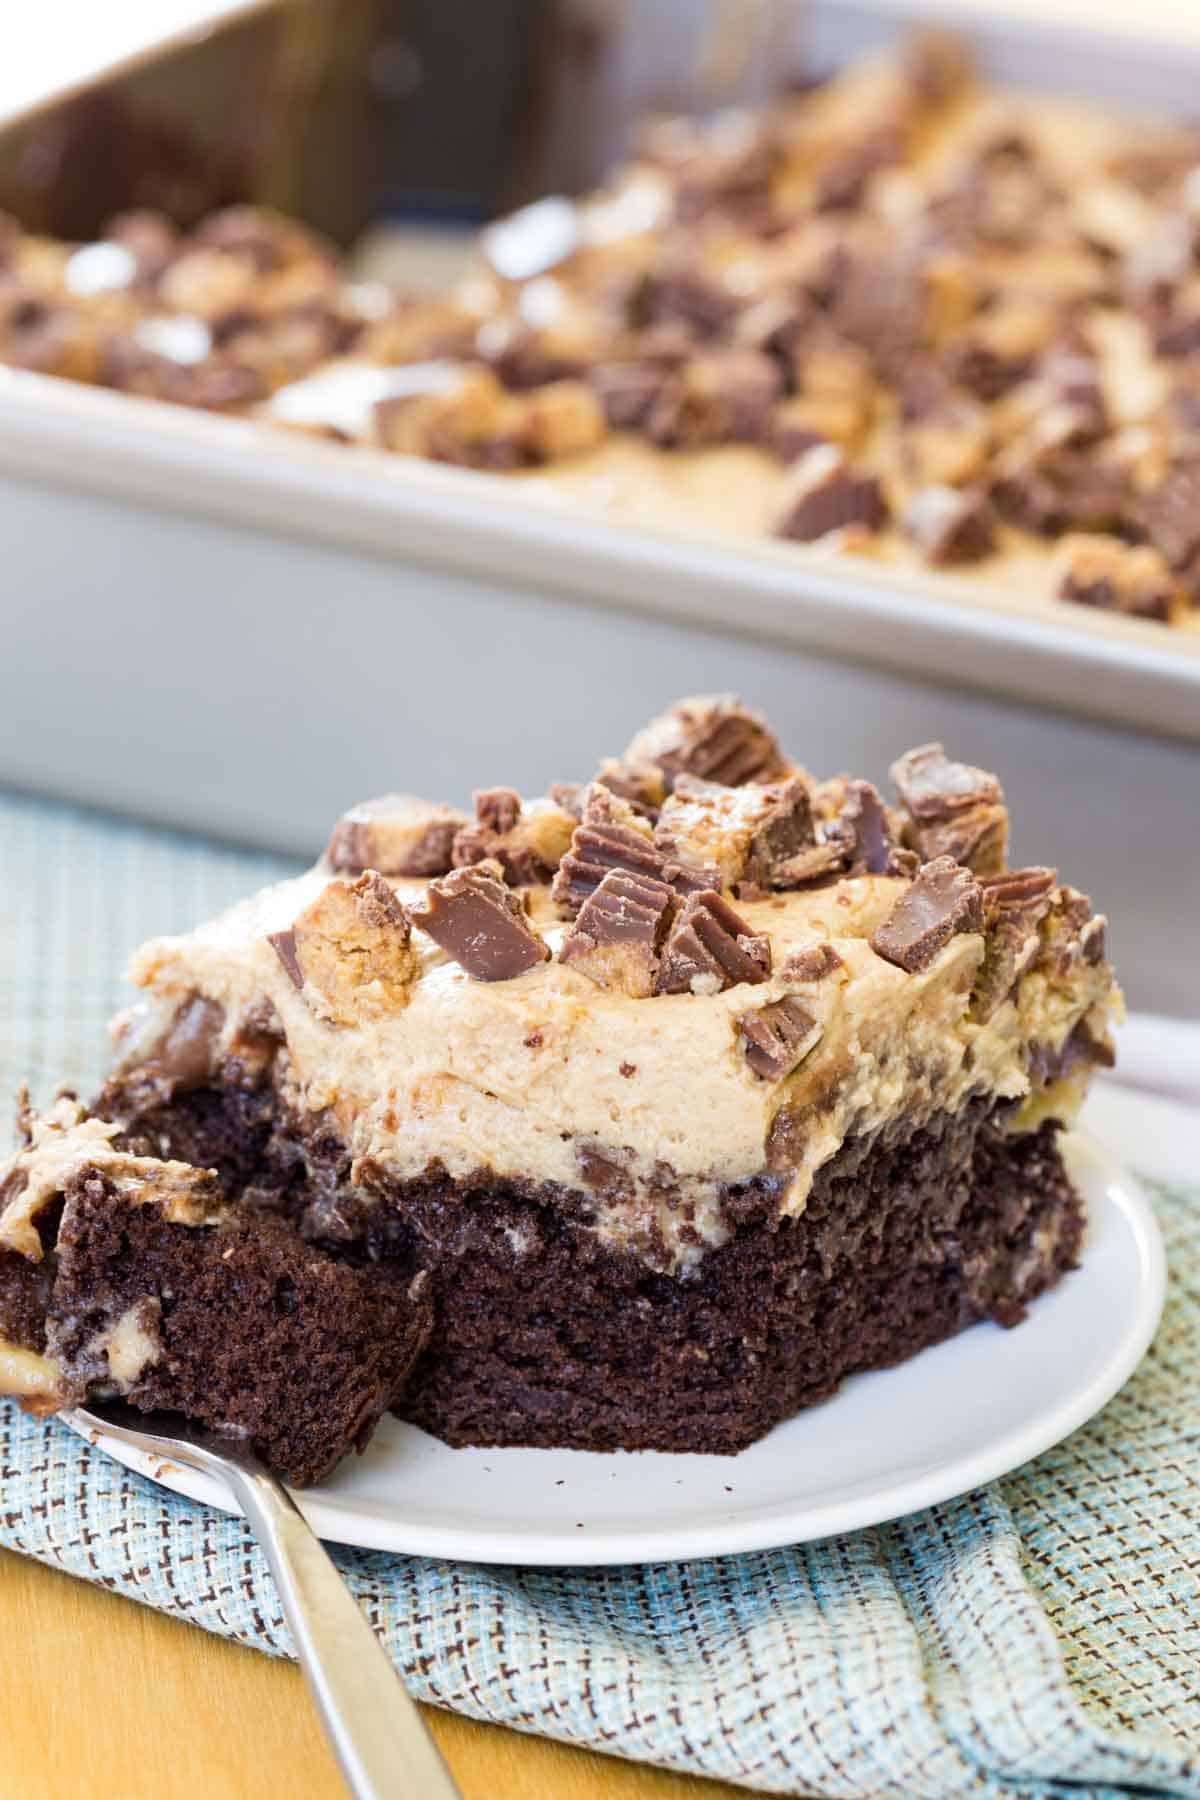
(898, 313)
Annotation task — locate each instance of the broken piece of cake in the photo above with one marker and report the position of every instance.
(124, 1274)
(671, 1101)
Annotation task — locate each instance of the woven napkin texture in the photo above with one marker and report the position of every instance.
(1040, 1637)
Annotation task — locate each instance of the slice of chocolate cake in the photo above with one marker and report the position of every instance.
(123, 1274)
(743, 1082)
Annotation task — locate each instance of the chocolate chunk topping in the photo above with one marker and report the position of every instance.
(943, 899)
(857, 840)
(498, 809)
(715, 836)
(787, 830)
(1014, 904)
(1070, 378)
(723, 397)
(685, 297)
(480, 923)
(1017, 889)
(1070, 933)
(686, 879)
(988, 372)
(932, 787)
(956, 810)
(880, 302)
(812, 963)
(619, 932)
(610, 835)
(1093, 940)
(777, 1037)
(1170, 514)
(862, 825)
(712, 736)
(396, 834)
(603, 1174)
(630, 392)
(182, 1057)
(1050, 493)
(826, 495)
(950, 525)
(1124, 578)
(710, 948)
(641, 784)
(349, 952)
(527, 841)
(815, 862)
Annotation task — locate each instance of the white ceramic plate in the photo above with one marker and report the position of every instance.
(888, 1444)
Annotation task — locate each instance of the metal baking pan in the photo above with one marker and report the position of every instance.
(226, 627)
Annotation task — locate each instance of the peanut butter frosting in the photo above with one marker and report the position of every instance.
(862, 998)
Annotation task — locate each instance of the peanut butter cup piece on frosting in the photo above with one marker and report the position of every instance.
(349, 953)
(713, 736)
(733, 834)
(943, 899)
(641, 784)
(811, 962)
(397, 835)
(481, 923)
(610, 835)
(711, 948)
(528, 841)
(616, 939)
(863, 828)
(777, 1037)
(954, 810)
(1014, 905)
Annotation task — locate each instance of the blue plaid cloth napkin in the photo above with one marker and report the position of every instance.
(1038, 1638)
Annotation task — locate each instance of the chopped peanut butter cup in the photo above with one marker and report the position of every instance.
(397, 835)
(481, 923)
(610, 835)
(778, 1037)
(619, 931)
(712, 736)
(711, 948)
(349, 953)
(954, 810)
(942, 900)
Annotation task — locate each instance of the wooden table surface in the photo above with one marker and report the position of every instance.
(106, 1700)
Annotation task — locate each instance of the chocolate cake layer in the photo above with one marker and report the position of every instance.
(538, 1342)
(544, 1336)
(123, 1273)
(244, 1326)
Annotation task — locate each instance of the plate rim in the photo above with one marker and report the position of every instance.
(341, 1522)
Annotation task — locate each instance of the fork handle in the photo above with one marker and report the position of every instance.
(381, 1742)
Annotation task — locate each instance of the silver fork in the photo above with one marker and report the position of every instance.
(378, 1735)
